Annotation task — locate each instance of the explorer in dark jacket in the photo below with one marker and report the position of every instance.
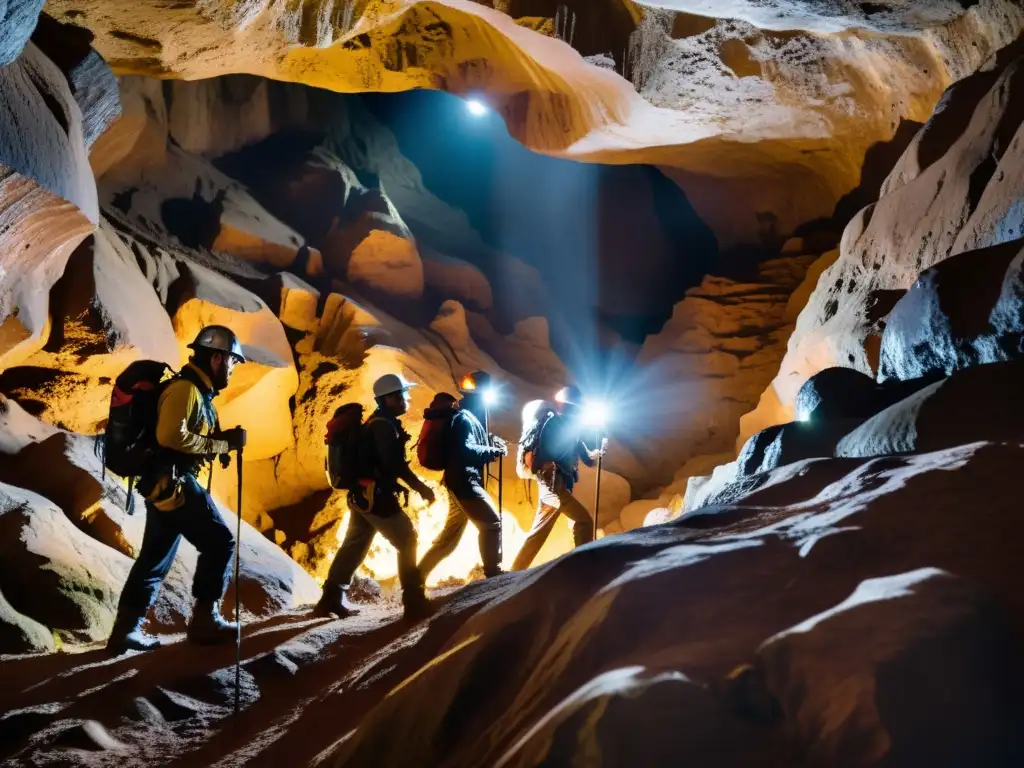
(469, 451)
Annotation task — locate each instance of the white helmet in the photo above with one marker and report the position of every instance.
(390, 383)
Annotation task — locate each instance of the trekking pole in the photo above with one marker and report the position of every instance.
(597, 491)
(238, 600)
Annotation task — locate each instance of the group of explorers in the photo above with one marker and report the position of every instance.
(162, 432)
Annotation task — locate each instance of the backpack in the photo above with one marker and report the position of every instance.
(536, 415)
(432, 446)
(344, 435)
(129, 442)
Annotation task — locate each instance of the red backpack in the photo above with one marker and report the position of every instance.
(343, 438)
(432, 446)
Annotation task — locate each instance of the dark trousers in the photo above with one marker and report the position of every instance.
(475, 504)
(388, 519)
(554, 499)
(198, 521)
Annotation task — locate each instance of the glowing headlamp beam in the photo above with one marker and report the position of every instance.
(476, 107)
(595, 413)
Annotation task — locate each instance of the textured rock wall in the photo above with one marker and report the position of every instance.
(721, 103)
(955, 190)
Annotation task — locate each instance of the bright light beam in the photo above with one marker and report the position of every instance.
(476, 107)
(595, 413)
(490, 396)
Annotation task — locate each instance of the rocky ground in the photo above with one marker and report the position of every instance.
(816, 621)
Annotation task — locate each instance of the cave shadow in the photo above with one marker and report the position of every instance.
(879, 161)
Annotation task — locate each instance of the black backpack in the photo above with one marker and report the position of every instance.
(536, 415)
(344, 435)
(129, 443)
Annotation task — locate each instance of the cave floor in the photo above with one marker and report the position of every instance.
(173, 706)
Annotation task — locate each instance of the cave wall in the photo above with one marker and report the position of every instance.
(755, 122)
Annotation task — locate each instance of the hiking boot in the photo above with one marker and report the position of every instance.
(334, 602)
(127, 635)
(207, 626)
(417, 606)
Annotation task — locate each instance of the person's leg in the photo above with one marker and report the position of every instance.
(159, 546)
(481, 509)
(354, 548)
(390, 520)
(204, 528)
(202, 525)
(543, 521)
(448, 539)
(351, 554)
(581, 522)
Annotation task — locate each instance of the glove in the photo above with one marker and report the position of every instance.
(225, 460)
(500, 445)
(235, 438)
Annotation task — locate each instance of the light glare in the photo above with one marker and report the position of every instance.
(595, 413)
(490, 397)
(476, 107)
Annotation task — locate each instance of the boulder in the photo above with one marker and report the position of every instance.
(386, 263)
(630, 716)
(981, 403)
(919, 668)
(64, 468)
(54, 573)
(967, 310)
(836, 393)
(789, 443)
(449, 278)
(67, 581)
(20, 634)
(47, 196)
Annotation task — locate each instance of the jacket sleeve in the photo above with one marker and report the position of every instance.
(391, 454)
(472, 452)
(179, 415)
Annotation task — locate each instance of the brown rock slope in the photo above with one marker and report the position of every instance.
(827, 574)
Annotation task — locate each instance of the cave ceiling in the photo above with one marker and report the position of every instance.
(755, 107)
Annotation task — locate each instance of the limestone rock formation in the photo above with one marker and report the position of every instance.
(741, 91)
(706, 367)
(68, 543)
(962, 312)
(48, 198)
(955, 191)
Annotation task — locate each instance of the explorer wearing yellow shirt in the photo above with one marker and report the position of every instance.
(177, 505)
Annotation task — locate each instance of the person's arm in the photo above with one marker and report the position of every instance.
(589, 455)
(178, 418)
(473, 453)
(392, 456)
(585, 454)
